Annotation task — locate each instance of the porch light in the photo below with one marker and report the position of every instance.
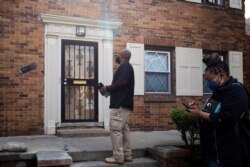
(80, 31)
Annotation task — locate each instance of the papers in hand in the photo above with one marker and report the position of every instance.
(212, 106)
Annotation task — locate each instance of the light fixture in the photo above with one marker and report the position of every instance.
(80, 31)
(27, 68)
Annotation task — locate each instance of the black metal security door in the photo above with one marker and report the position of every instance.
(79, 81)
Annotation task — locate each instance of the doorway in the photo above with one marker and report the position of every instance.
(79, 81)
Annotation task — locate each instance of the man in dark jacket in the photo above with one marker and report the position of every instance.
(121, 102)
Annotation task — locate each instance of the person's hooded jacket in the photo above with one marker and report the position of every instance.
(220, 137)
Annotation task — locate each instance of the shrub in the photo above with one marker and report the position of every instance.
(187, 125)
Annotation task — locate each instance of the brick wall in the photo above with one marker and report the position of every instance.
(21, 106)
(246, 60)
(247, 56)
(177, 23)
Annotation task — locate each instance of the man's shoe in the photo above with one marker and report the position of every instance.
(112, 160)
(128, 159)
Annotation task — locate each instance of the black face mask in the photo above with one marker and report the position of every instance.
(117, 60)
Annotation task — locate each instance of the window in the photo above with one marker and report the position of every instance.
(157, 71)
(236, 4)
(223, 56)
(214, 2)
(153, 65)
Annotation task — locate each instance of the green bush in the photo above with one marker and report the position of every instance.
(187, 125)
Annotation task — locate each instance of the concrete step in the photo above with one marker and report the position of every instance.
(82, 132)
(137, 162)
(101, 155)
(84, 125)
(53, 158)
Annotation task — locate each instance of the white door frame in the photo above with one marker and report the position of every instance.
(63, 27)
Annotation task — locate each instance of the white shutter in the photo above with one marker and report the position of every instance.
(189, 72)
(196, 1)
(237, 4)
(137, 61)
(236, 65)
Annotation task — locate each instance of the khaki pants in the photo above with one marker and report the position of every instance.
(119, 132)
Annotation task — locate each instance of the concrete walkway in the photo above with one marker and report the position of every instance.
(54, 143)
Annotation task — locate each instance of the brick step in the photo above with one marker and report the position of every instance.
(137, 162)
(82, 132)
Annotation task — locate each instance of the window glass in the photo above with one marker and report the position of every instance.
(215, 2)
(157, 72)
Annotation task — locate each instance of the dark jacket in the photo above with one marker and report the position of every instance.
(220, 138)
(122, 87)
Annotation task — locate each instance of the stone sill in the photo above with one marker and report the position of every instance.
(159, 98)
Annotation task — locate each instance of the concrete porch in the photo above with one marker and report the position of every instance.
(85, 151)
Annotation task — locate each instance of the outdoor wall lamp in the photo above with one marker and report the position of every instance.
(27, 68)
(80, 31)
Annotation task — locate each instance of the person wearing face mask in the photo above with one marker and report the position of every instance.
(219, 137)
(121, 104)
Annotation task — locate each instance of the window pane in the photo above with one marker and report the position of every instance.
(156, 61)
(157, 82)
(157, 71)
(217, 2)
(206, 90)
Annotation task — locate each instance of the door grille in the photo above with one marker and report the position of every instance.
(79, 81)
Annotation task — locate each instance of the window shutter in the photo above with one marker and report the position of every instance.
(196, 1)
(236, 65)
(237, 4)
(137, 61)
(189, 72)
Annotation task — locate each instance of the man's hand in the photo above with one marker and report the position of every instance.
(103, 90)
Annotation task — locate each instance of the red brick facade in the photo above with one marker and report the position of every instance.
(166, 23)
(247, 57)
